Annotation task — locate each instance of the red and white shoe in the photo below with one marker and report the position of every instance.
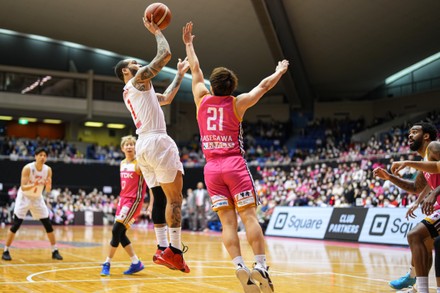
(174, 257)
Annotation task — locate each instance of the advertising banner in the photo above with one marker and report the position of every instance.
(388, 225)
(346, 223)
(301, 222)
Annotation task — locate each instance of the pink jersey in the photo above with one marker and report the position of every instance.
(132, 184)
(220, 127)
(432, 179)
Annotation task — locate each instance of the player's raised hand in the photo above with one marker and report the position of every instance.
(396, 167)
(282, 66)
(182, 66)
(150, 25)
(187, 35)
(381, 173)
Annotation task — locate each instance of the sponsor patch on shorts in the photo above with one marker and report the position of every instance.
(244, 198)
(122, 213)
(219, 201)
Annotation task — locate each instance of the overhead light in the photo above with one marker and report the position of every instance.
(7, 118)
(116, 126)
(28, 119)
(93, 124)
(412, 68)
(7, 32)
(22, 121)
(52, 121)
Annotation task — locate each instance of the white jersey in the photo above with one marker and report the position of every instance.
(145, 109)
(36, 175)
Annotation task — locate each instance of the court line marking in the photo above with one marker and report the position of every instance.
(112, 279)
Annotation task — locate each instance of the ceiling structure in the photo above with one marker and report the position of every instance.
(338, 49)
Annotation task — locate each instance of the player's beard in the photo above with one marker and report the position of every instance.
(416, 145)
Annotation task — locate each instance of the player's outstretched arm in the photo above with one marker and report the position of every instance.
(431, 166)
(163, 55)
(198, 83)
(247, 100)
(168, 96)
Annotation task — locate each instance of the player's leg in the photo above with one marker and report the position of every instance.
(245, 200)
(159, 203)
(231, 241)
(409, 279)
(136, 265)
(51, 236)
(39, 210)
(255, 237)
(420, 255)
(21, 208)
(128, 210)
(117, 230)
(173, 255)
(160, 226)
(437, 262)
(10, 237)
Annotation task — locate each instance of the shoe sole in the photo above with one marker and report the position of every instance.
(243, 277)
(401, 288)
(158, 261)
(167, 264)
(7, 259)
(264, 283)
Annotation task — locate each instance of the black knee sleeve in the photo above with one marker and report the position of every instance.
(124, 239)
(16, 224)
(47, 225)
(437, 256)
(159, 205)
(117, 232)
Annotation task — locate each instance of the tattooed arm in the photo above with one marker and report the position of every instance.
(167, 97)
(163, 56)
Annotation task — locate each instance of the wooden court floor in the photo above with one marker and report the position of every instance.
(296, 265)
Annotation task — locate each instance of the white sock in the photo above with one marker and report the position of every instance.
(161, 236)
(422, 284)
(412, 272)
(176, 238)
(108, 259)
(135, 259)
(238, 261)
(54, 247)
(6, 248)
(260, 259)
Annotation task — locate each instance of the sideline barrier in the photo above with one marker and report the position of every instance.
(367, 225)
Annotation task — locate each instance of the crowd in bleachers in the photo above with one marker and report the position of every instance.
(334, 172)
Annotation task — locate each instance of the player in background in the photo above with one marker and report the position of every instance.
(36, 177)
(421, 134)
(131, 198)
(157, 154)
(227, 177)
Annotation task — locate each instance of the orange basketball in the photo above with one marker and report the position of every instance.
(161, 14)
